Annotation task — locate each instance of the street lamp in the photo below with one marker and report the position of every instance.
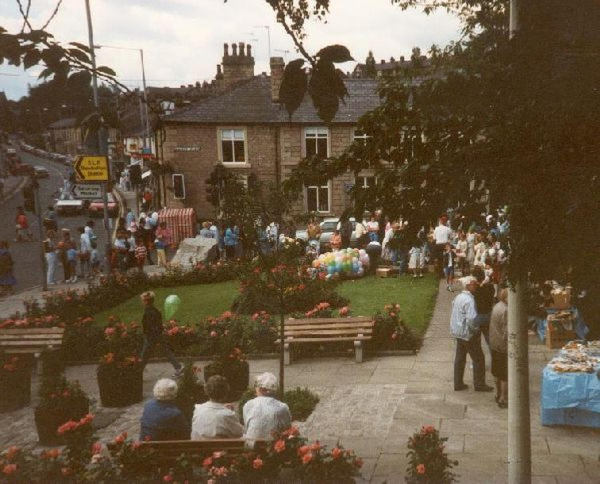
(141, 51)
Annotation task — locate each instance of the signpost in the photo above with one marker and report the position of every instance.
(87, 191)
(91, 169)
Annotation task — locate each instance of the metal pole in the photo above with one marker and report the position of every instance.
(38, 209)
(514, 18)
(145, 100)
(519, 430)
(108, 246)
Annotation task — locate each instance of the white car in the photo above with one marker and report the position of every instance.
(67, 204)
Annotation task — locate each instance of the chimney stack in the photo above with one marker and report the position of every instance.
(277, 67)
(225, 50)
(238, 66)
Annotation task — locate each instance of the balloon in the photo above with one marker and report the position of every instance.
(172, 304)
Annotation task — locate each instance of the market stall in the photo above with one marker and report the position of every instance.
(571, 386)
(565, 325)
(181, 221)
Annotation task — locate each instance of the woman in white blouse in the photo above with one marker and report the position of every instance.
(264, 415)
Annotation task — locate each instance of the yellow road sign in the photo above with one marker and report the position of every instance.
(91, 168)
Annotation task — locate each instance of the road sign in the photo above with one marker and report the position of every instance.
(88, 191)
(91, 169)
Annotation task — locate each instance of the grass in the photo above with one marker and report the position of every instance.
(197, 302)
(415, 296)
(367, 296)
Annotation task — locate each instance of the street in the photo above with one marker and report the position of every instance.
(27, 255)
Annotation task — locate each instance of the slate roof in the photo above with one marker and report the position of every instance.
(249, 102)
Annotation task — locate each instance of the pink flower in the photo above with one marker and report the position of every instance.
(337, 453)
(344, 311)
(168, 478)
(427, 429)
(109, 331)
(257, 463)
(279, 446)
(213, 334)
(9, 469)
(421, 469)
(96, 448)
(306, 458)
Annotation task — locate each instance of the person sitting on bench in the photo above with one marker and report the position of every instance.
(265, 415)
(161, 418)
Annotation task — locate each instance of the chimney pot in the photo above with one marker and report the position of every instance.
(225, 49)
(401, 58)
(234, 50)
(383, 61)
(242, 49)
(249, 50)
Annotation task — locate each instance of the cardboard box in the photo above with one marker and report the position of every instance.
(561, 300)
(386, 272)
(557, 339)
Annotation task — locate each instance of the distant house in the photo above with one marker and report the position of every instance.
(245, 129)
(65, 136)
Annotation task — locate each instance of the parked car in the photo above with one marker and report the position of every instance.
(41, 172)
(67, 204)
(328, 226)
(96, 207)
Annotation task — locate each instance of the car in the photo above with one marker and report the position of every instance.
(67, 204)
(41, 172)
(96, 207)
(20, 169)
(328, 226)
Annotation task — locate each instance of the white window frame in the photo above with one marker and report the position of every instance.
(363, 137)
(317, 187)
(316, 132)
(220, 139)
(364, 178)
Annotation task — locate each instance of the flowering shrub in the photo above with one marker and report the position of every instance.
(390, 332)
(56, 393)
(428, 463)
(48, 321)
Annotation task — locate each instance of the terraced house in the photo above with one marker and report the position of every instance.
(245, 129)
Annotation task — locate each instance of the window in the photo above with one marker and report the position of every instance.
(317, 198)
(365, 181)
(233, 148)
(360, 136)
(316, 142)
(178, 186)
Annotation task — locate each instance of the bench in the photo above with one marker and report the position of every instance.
(327, 330)
(30, 340)
(167, 451)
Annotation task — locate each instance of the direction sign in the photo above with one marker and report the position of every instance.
(91, 169)
(88, 191)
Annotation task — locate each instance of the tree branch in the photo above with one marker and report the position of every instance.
(24, 14)
(53, 14)
(282, 20)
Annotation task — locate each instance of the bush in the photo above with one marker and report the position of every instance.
(428, 463)
(390, 332)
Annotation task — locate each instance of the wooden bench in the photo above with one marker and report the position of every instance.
(327, 330)
(30, 340)
(167, 451)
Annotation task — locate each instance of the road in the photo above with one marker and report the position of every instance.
(27, 255)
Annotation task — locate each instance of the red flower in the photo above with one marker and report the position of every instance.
(344, 311)
(279, 446)
(168, 478)
(207, 462)
(307, 458)
(358, 462)
(427, 429)
(9, 469)
(257, 463)
(305, 449)
(121, 438)
(421, 469)
(337, 453)
(96, 448)
(12, 453)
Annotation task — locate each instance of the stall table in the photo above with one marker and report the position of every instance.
(581, 328)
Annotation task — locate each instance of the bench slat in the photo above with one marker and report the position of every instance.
(330, 326)
(324, 340)
(328, 332)
(10, 344)
(28, 331)
(292, 322)
(31, 337)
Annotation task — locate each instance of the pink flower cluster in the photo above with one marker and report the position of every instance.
(73, 425)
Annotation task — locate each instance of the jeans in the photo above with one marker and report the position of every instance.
(473, 348)
(373, 237)
(150, 344)
(84, 265)
(51, 262)
(402, 261)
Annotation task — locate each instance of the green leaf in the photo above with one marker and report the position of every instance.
(32, 58)
(326, 89)
(79, 55)
(293, 86)
(82, 47)
(335, 53)
(106, 70)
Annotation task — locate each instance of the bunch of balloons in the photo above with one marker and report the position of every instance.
(345, 262)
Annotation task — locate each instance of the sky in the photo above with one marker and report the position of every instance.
(183, 39)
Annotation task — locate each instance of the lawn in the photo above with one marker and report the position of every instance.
(367, 296)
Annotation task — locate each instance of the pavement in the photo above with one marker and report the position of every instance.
(373, 408)
(12, 184)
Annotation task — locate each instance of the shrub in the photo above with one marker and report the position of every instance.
(391, 333)
(428, 463)
(58, 394)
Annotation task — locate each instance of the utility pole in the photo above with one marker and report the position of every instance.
(519, 422)
(101, 143)
(38, 209)
(145, 101)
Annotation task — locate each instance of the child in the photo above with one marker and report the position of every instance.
(72, 261)
(416, 259)
(140, 253)
(95, 261)
(336, 240)
(461, 253)
(449, 256)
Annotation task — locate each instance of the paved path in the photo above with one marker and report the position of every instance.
(373, 407)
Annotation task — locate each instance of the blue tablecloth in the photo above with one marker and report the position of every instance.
(570, 398)
(581, 328)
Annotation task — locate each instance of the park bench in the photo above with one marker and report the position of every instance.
(327, 330)
(167, 451)
(32, 341)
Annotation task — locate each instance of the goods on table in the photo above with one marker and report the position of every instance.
(561, 297)
(346, 262)
(577, 357)
(560, 329)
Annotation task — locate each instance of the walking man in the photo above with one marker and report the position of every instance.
(153, 333)
(468, 339)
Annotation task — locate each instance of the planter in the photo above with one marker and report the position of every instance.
(47, 420)
(15, 389)
(120, 387)
(237, 373)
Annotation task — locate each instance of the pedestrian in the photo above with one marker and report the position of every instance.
(373, 229)
(468, 339)
(161, 242)
(63, 246)
(230, 240)
(95, 262)
(314, 235)
(22, 226)
(480, 250)
(131, 251)
(140, 253)
(85, 253)
(205, 230)
(51, 257)
(442, 234)
(129, 217)
(499, 347)
(415, 259)
(152, 328)
(373, 250)
(336, 240)
(362, 239)
(7, 277)
(462, 247)
(345, 227)
(120, 252)
(50, 219)
(449, 261)
(72, 256)
(484, 302)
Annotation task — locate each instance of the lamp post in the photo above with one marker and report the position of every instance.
(145, 92)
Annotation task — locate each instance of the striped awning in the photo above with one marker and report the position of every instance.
(181, 222)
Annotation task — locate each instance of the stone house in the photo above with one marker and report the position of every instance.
(245, 129)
